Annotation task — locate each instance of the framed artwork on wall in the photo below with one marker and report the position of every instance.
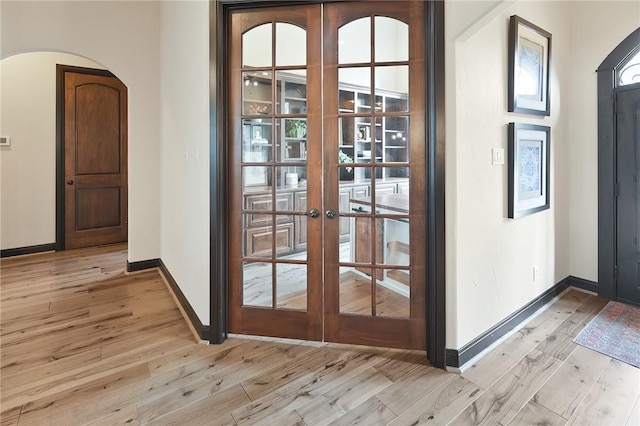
(529, 64)
(528, 163)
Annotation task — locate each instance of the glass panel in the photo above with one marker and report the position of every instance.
(293, 140)
(396, 139)
(345, 247)
(354, 198)
(354, 42)
(256, 284)
(630, 73)
(360, 77)
(394, 236)
(355, 291)
(346, 101)
(293, 96)
(291, 286)
(258, 236)
(393, 79)
(256, 93)
(362, 242)
(291, 45)
(391, 40)
(291, 179)
(393, 83)
(393, 294)
(257, 135)
(256, 46)
(256, 177)
(284, 235)
(346, 173)
(388, 201)
(300, 243)
(346, 136)
(401, 173)
(364, 104)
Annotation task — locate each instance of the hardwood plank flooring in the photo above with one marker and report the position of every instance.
(83, 343)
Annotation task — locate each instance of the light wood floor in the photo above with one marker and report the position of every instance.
(83, 343)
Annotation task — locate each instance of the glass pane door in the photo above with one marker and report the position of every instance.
(374, 175)
(276, 128)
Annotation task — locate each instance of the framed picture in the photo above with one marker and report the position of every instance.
(257, 174)
(529, 60)
(528, 158)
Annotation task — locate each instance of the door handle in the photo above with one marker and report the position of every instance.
(314, 213)
(70, 182)
(330, 214)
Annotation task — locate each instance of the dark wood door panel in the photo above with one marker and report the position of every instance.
(628, 200)
(95, 160)
(97, 208)
(97, 108)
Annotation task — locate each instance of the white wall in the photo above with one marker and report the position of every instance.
(491, 258)
(184, 176)
(28, 166)
(125, 38)
(597, 28)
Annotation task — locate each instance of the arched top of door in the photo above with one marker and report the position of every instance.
(621, 53)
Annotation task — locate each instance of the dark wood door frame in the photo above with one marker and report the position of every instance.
(60, 170)
(435, 188)
(607, 171)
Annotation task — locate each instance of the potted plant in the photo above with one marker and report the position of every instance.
(345, 172)
(296, 128)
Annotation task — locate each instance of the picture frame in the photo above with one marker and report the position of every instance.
(529, 65)
(529, 169)
(255, 175)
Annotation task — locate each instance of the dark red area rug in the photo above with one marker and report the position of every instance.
(615, 332)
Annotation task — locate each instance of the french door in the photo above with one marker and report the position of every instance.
(327, 173)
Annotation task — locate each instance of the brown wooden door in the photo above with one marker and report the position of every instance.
(374, 111)
(275, 149)
(327, 179)
(95, 151)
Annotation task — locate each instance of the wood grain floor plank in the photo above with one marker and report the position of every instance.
(291, 419)
(71, 403)
(442, 405)
(189, 354)
(612, 398)
(634, 417)
(576, 376)
(400, 364)
(536, 414)
(370, 412)
(83, 343)
(270, 408)
(207, 410)
(493, 365)
(126, 416)
(502, 401)
(192, 388)
(344, 398)
(10, 417)
(411, 388)
(263, 384)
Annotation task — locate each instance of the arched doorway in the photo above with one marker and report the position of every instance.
(31, 163)
(617, 181)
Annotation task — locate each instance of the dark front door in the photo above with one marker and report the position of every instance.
(628, 204)
(95, 160)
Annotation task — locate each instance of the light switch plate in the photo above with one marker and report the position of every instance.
(5, 141)
(497, 156)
